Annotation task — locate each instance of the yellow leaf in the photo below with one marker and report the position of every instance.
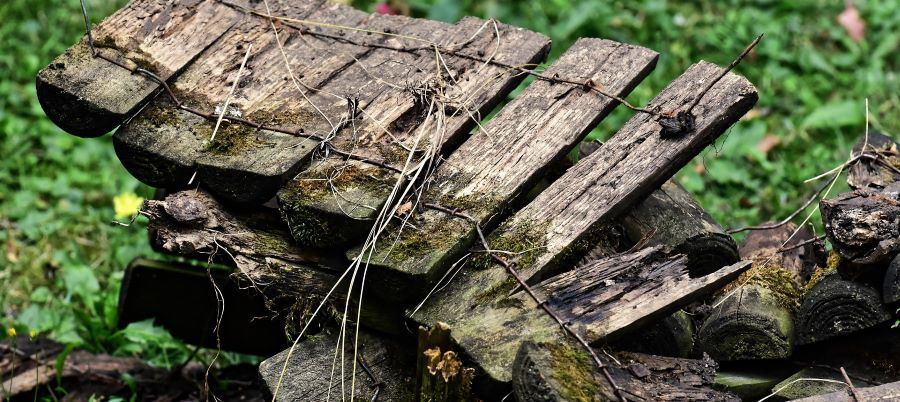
(126, 205)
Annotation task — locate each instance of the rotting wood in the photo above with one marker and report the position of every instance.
(753, 318)
(836, 306)
(671, 217)
(481, 177)
(886, 392)
(891, 289)
(671, 336)
(310, 376)
(331, 203)
(864, 225)
(476, 302)
(556, 372)
(89, 96)
(192, 224)
(879, 170)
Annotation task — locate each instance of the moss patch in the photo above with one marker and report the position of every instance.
(572, 371)
(834, 260)
(774, 278)
(521, 243)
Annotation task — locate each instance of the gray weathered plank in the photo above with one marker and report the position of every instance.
(89, 96)
(490, 170)
(881, 393)
(556, 227)
(333, 202)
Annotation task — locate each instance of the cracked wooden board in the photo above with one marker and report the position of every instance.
(483, 177)
(336, 67)
(562, 220)
(332, 203)
(89, 96)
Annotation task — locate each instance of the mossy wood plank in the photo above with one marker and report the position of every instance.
(558, 224)
(193, 224)
(330, 203)
(89, 96)
(557, 372)
(165, 147)
(491, 169)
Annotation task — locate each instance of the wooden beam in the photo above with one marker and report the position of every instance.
(493, 168)
(556, 227)
(886, 392)
(335, 202)
(89, 96)
(192, 224)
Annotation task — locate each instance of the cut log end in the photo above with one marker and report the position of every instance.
(750, 323)
(836, 307)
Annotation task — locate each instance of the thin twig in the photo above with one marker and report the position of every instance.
(724, 72)
(856, 396)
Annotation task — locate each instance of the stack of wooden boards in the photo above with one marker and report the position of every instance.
(282, 173)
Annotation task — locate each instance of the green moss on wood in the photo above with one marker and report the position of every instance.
(520, 243)
(573, 373)
(778, 280)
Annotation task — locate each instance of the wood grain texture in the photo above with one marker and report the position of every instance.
(482, 178)
(326, 207)
(89, 96)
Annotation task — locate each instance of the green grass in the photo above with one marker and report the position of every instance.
(62, 260)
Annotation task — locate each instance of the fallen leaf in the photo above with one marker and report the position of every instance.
(768, 143)
(852, 22)
(404, 209)
(699, 168)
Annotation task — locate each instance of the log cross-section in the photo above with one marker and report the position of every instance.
(89, 96)
(493, 167)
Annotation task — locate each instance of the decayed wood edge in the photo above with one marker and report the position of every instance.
(322, 217)
(754, 317)
(538, 127)
(556, 372)
(164, 146)
(247, 325)
(869, 173)
(886, 392)
(560, 222)
(864, 225)
(308, 372)
(192, 224)
(836, 306)
(88, 96)
(891, 289)
(671, 217)
(489, 324)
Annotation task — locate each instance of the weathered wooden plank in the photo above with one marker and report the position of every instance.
(309, 375)
(791, 389)
(560, 219)
(886, 392)
(89, 96)
(836, 306)
(557, 372)
(482, 178)
(334, 202)
(670, 217)
(192, 224)
(864, 225)
(165, 147)
(753, 318)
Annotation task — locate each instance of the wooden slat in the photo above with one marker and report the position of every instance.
(491, 169)
(334, 202)
(881, 393)
(89, 96)
(558, 226)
